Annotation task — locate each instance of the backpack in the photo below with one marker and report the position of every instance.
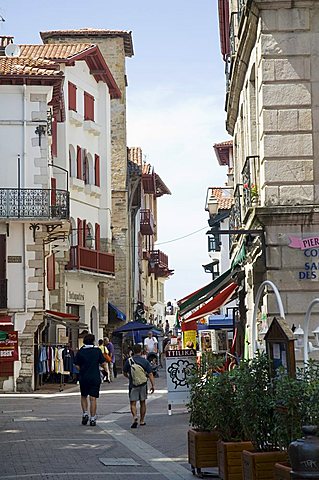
(138, 374)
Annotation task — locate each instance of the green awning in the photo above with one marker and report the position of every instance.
(240, 257)
(205, 293)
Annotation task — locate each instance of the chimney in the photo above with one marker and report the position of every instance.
(4, 41)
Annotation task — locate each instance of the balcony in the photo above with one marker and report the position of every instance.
(250, 178)
(82, 258)
(158, 264)
(235, 217)
(35, 203)
(147, 222)
(3, 293)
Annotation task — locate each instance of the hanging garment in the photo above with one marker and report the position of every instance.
(59, 360)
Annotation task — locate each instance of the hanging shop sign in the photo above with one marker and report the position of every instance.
(179, 365)
(310, 249)
(9, 350)
(189, 339)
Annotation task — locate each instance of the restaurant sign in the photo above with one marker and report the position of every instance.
(9, 351)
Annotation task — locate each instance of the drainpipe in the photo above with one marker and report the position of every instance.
(24, 153)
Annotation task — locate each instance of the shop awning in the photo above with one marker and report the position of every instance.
(119, 314)
(66, 319)
(200, 296)
(223, 297)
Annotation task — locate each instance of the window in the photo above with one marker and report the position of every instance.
(214, 243)
(79, 163)
(72, 96)
(88, 107)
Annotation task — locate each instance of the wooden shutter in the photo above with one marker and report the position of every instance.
(72, 96)
(97, 170)
(97, 237)
(79, 163)
(54, 144)
(88, 107)
(80, 233)
(51, 272)
(84, 232)
(53, 191)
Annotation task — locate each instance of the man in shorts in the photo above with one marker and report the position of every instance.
(138, 393)
(87, 361)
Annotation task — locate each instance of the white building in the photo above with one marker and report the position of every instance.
(56, 191)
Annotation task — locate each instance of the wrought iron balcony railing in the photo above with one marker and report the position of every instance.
(235, 217)
(82, 258)
(147, 222)
(34, 203)
(250, 178)
(3, 293)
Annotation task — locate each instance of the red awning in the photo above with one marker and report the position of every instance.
(61, 315)
(217, 302)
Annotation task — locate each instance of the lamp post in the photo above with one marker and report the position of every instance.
(306, 330)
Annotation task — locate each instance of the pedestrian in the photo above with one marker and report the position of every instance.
(167, 327)
(138, 370)
(150, 343)
(105, 373)
(87, 361)
(110, 347)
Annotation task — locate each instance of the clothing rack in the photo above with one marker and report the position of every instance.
(61, 374)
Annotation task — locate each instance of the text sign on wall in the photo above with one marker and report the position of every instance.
(14, 259)
(310, 249)
(9, 351)
(179, 365)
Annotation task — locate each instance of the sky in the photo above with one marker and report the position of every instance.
(175, 106)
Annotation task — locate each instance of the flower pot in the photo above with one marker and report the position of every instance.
(260, 465)
(282, 471)
(230, 460)
(202, 449)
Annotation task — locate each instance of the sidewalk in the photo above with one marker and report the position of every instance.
(42, 437)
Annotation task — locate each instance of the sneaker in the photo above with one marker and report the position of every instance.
(92, 423)
(85, 419)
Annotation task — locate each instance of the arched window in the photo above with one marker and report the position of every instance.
(72, 161)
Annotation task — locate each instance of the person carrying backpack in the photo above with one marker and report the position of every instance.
(138, 370)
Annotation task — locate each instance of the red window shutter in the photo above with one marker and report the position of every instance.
(97, 170)
(79, 163)
(84, 232)
(72, 96)
(80, 233)
(51, 272)
(88, 107)
(54, 144)
(53, 191)
(97, 236)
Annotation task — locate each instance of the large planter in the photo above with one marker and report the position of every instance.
(282, 471)
(260, 465)
(202, 449)
(230, 460)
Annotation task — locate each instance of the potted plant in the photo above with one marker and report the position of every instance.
(228, 425)
(257, 402)
(202, 436)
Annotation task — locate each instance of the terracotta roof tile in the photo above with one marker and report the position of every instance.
(56, 51)
(93, 32)
(28, 66)
(224, 197)
(224, 144)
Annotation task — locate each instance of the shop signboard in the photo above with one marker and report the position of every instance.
(189, 337)
(9, 351)
(179, 365)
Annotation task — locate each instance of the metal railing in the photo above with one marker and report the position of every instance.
(235, 217)
(82, 258)
(34, 203)
(250, 179)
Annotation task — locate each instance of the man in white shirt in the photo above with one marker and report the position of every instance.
(150, 344)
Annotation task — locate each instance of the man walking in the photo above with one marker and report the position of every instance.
(150, 343)
(87, 361)
(109, 345)
(133, 369)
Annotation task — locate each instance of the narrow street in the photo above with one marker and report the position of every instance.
(41, 437)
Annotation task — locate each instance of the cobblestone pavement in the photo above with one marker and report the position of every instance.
(41, 437)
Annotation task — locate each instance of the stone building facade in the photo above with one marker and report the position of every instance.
(272, 96)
